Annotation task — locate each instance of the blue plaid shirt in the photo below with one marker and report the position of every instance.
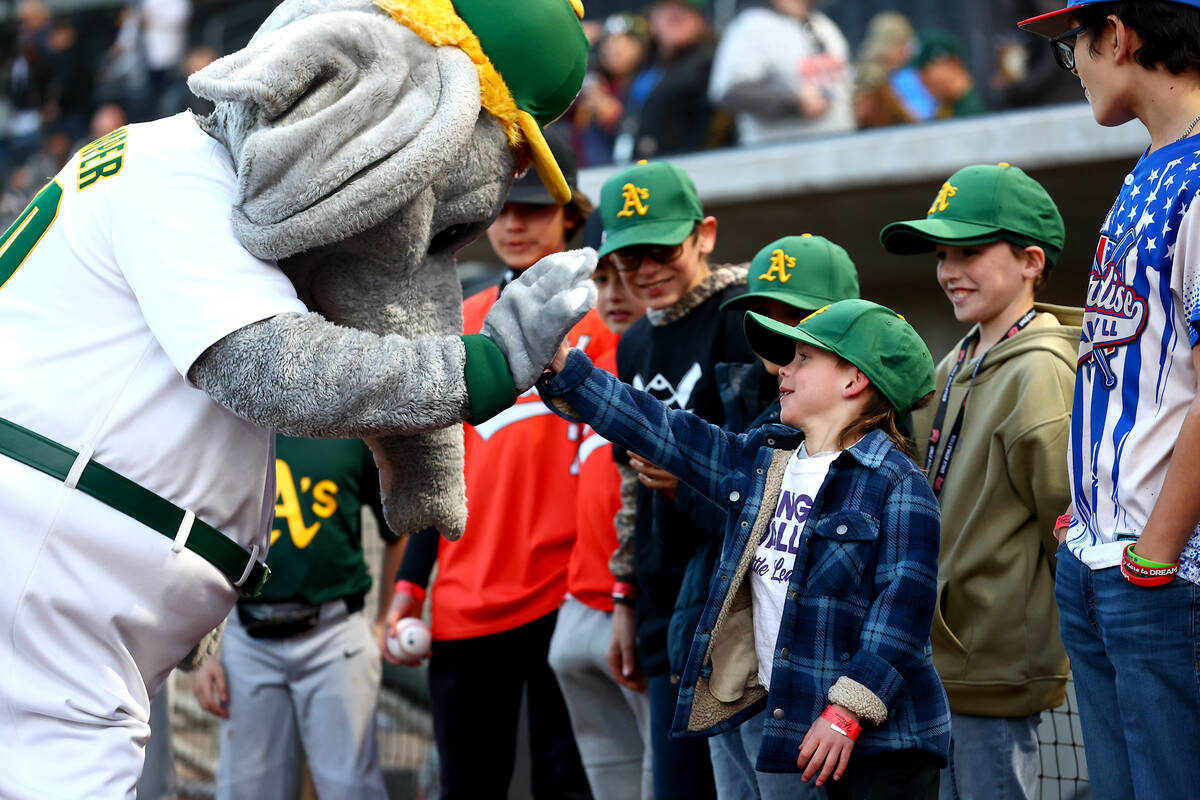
(862, 590)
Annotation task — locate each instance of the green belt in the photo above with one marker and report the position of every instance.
(135, 501)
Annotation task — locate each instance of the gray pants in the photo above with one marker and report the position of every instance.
(316, 691)
(611, 723)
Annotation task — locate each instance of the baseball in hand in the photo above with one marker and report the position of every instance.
(409, 639)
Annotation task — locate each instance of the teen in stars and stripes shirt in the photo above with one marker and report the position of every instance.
(1135, 379)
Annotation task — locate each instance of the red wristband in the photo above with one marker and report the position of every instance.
(1147, 577)
(624, 590)
(841, 722)
(412, 590)
(1064, 521)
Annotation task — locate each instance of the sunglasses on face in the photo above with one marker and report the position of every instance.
(1063, 47)
(629, 259)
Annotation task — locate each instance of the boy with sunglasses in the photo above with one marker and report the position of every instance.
(659, 240)
(1129, 603)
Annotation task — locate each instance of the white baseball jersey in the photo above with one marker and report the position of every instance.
(123, 270)
(1135, 379)
(122, 273)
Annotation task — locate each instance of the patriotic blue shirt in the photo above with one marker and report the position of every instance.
(1135, 380)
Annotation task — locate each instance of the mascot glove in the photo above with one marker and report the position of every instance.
(537, 310)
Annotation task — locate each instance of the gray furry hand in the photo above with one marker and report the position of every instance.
(537, 310)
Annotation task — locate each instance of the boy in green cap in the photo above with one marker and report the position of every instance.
(940, 64)
(1130, 565)
(659, 239)
(994, 450)
(820, 606)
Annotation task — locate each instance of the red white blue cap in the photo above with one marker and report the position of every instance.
(1057, 22)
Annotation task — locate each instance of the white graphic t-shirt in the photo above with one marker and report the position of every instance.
(771, 572)
(1135, 379)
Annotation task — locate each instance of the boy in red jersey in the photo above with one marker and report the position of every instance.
(498, 588)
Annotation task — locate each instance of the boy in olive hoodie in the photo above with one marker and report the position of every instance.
(994, 447)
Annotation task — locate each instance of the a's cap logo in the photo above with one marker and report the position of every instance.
(942, 201)
(633, 197)
(781, 262)
(820, 310)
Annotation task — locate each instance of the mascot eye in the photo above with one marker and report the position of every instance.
(448, 237)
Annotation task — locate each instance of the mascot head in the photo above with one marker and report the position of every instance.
(372, 140)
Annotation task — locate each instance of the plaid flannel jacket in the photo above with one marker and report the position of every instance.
(862, 590)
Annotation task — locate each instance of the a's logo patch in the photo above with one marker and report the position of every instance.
(942, 201)
(781, 262)
(633, 197)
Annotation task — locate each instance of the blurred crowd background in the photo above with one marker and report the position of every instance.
(671, 77)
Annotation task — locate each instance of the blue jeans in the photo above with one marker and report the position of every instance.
(1134, 654)
(733, 755)
(682, 769)
(992, 758)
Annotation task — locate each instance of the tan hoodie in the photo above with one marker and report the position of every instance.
(995, 630)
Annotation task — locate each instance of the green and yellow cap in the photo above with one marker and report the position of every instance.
(873, 338)
(982, 204)
(648, 203)
(531, 60)
(806, 272)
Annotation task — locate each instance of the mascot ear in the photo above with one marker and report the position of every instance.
(336, 121)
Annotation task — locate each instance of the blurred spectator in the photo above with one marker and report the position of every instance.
(596, 115)
(785, 72)
(1024, 72)
(875, 101)
(69, 94)
(177, 96)
(891, 43)
(107, 119)
(27, 80)
(121, 77)
(164, 38)
(668, 109)
(18, 188)
(944, 74)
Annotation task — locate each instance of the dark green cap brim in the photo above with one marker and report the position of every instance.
(923, 235)
(798, 300)
(659, 232)
(776, 341)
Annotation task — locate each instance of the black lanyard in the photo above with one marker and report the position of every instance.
(935, 434)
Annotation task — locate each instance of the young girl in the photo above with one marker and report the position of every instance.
(823, 625)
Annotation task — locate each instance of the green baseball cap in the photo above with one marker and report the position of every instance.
(541, 52)
(806, 272)
(935, 44)
(981, 204)
(648, 203)
(873, 338)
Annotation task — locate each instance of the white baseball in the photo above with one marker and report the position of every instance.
(410, 639)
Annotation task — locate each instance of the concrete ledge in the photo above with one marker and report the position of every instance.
(1055, 136)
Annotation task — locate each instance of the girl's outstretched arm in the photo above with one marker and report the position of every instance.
(695, 451)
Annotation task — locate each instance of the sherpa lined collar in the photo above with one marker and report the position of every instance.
(721, 277)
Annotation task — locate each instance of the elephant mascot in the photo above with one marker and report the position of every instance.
(186, 287)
